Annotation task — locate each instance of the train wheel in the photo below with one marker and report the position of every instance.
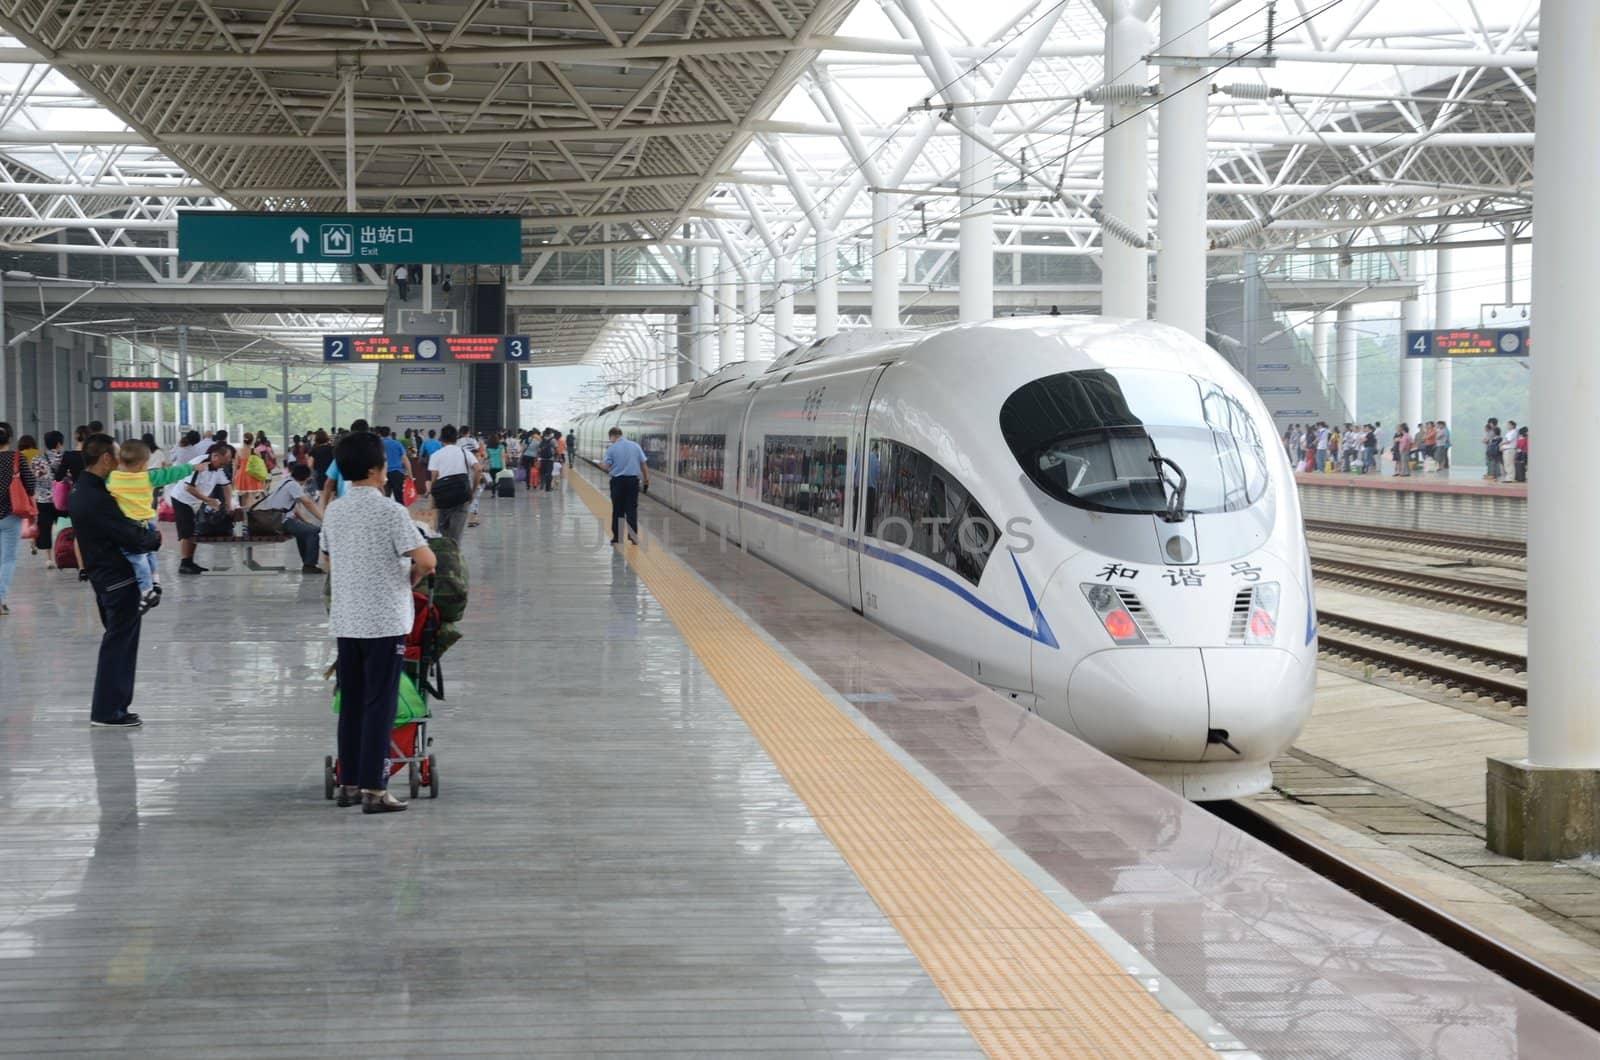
(327, 777)
(433, 776)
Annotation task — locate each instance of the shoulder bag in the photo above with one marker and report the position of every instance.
(267, 523)
(22, 505)
(452, 491)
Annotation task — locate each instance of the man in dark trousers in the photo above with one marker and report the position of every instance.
(626, 463)
(547, 460)
(103, 533)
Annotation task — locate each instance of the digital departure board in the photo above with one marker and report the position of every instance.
(1469, 342)
(464, 349)
(127, 384)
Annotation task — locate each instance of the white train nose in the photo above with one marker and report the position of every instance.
(1190, 704)
(1146, 703)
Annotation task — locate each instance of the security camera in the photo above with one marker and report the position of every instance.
(438, 77)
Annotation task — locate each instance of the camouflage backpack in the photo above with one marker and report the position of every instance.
(449, 579)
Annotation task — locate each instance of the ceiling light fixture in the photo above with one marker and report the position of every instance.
(438, 77)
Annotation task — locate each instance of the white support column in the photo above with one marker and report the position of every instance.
(1124, 197)
(727, 312)
(1322, 347)
(1443, 368)
(703, 315)
(826, 289)
(885, 264)
(977, 230)
(752, 315)
(1181, 173)
(221, 404)
(783, 306)
(159, 400)
(1544, 807)
(1410, 367)
(1345, 367)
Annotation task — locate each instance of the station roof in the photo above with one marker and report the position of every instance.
(648, 128)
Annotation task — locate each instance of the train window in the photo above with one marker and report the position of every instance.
(916, 504)
(805, 474)
(701, 457)
(655, 451)
(1108, 440)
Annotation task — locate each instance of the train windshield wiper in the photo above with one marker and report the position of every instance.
(1174, 512)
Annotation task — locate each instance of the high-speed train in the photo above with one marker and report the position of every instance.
(1089, 515)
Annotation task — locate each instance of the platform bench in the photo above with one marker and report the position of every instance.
(249, 544)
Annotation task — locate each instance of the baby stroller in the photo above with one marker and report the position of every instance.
(421, 679)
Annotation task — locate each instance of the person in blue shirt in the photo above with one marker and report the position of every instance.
(627, 464)
(336, 479)
(398, 468)
(431, 446)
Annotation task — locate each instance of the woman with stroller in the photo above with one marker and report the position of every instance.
(374, 554)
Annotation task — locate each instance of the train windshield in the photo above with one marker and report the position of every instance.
(1108, 440)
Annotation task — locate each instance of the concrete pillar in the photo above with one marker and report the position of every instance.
(1124, 268)
(1410, 367)
(885, 264)
(702, 315)
(1443, 368)
(1345, 363)
(977, 231)
(783, 307)
(827, 285)
(1548, 805)
(688, 338)
(752, 316)
(1181, 172)
(727, 313)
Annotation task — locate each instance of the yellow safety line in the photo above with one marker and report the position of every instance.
(1026, 980)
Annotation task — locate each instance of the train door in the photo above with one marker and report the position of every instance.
(862, 479)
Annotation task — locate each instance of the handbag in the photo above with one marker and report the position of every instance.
(21, 498)
(60, 494)
(267, 523)
(213, 522)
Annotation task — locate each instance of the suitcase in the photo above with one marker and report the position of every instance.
(505, 487)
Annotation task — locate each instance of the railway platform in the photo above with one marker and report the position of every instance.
(1454, 505)
(688, 807)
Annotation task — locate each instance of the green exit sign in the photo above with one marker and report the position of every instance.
(373, 239)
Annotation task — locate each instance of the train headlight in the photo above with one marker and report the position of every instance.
(1263, 624)
(1112, 611)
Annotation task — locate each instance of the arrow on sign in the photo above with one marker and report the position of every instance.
(299, 238)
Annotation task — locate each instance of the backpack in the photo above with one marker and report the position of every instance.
(65, 556)
(449, 578)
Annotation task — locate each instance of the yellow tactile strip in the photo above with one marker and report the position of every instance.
(1025, 979)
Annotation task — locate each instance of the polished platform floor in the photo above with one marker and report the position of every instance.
(619, 863)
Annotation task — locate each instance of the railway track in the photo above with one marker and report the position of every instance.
(1514, 966)
(1418, 540)
(1504, 600)
(1462, 669)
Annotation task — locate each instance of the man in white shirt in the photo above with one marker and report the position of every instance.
(301, 515)
(201, 490)
(449, 462)
(375, 554)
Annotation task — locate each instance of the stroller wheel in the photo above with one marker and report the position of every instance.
(327, 777)
(414, 775)
(433, 776)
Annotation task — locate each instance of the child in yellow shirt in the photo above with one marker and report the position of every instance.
(132, 486)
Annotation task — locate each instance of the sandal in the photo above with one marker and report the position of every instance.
(380, 802)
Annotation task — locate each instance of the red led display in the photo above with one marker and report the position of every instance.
(472, 347)
(380, 348)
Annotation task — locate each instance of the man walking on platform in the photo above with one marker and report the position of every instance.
(627, 464)
(397, 466)
(104, 534)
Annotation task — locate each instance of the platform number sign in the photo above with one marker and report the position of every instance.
(335, 348)
(517, 348)
(1419, 344)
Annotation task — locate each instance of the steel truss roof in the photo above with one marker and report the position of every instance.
(650, 127)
